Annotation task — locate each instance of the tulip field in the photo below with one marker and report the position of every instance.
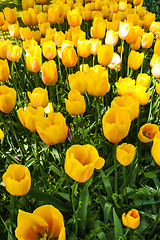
(79, 120)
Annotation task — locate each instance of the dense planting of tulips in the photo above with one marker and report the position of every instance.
(79, 120)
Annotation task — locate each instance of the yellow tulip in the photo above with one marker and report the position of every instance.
(4, 70)
(25, 33)
(69, 57)
(75, 104)
(143, 79)
(116, 124)
(53, 14)
(29, 116)
(98, 30)
(158, 88)
(78, 81)
(49, 50)
(7, 99)
(84, 48)
(147, 132)
(155, 148)
(103, 51)
(74, 18)
(81, 160)
(10, 15)
(17, 179)
(14, 53)
(2, 21)
(135, 59)
(1, 134)
(125, 153)
(46, 222)
(39, 97)
(49, 72)
(132, 219)
(125, 86)
(140, 94)
(52, 129)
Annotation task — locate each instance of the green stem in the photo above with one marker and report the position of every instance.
(73, 207)
(125, 187)
(131, 73)
(115, 166)
(151, 101)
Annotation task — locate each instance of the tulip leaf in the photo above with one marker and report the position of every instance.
(150, 175)
(82, 210)
(55, 170)
(107, 185)
(107, 211)
(117, 225)
(101, 236)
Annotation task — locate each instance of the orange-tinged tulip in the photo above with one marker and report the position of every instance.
(132, 219)
(74, 18)
(36, 35)
(52, 129)
(141, 94)
(81, 160)
(103, 51)
(1, 134)
(143, 79)
(97, 81)
(49, 72)
(29, 18)
(27, 4)
(116, 124)
(147, 40)
(2, 21)
(4, 45)
(158, 88)
(14, 30)
(58, 38)
(4, 70)
(69, 57)
(49, 50)
(147, 132)
(46, 222)
(43, 27)
(50, 33)
(137, 2)
(7, 99)
(125, 153)
(148, 19)
(128, 103)
(29, 116)
(136, 45)
(78, 81)
(75, 104)
(98, 30)
(25, 33)
(53, 14)
(84, 48)
(39, 97)
(135, 59)
(10, 15)
(17, 179)
(125, 86)
(111, 38)
(42, 17)
(155, 148)
(14, 53)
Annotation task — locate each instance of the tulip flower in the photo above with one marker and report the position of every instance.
(4, 70)
(43, 27)
(147, 40)
(69, 57)
(95, 44)
(7, 99)
(128, 103)
(75, 104)
(125, 86)
(141, 94)
(143, 79)
(97, 81)
(53, 14)
(78, 81)
(52, 129)
(98, 30)
(132, 219)
(33, 59)
(84, 48)
(17, 180)
(42, 17)
(36, 35)
(49, 108)
(2, 21)
(14, 30)
(156, 66)
(4, 45)
(111, 38)
(115, 62)
(74, 18)
(29, 116)
(39, 97)
(1, 134)
(81, 160)
(148, 19)
(58, 38)
(116, 124)
(27, 4)
(10, 15)
(49, 72)
(154, 27)
(147, 132)
(49, 50)
(103, 51)
(125, 153)
(155, 148)
(14, 53)
(135, 59)
(25, 33)
(158, 88)
(46, 222)
(157, 47)
(29, 18)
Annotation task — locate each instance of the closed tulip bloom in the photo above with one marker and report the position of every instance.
(84, 48)
(111, 38)
(148, 19)
(97, 81)
(125, 30)
(1, 134)
(49, 50)
(2, 21)
(116, 62)
(10, 15)
(147, 40)
(135, 59)
(125, 153)
(29, 42)
(78, 81)
(29, 116)
(143, 79)
(53, 14)
(14, 30)
(125, 86)
(74, 18)
(25, 33)
(136, 45)
(147, 132)
(81, 160)
(29, 18)
(49, 109)
(17, 179)
(155, 148)
(158, 88)
(58, 38)
(141, 94)
(4, 45)
(154, 27)
(75, 104)
(33, 58)
(128, 103)
(36, 35)
(7, 99)
(157, 47)
(4, 70)
(95, 44)
(98, 30)
(46, 222)
(52, 129)
(49, 72)
(132, 219)
(69, 57)
(27, 4)
(14, 53)
(156, 67)
(42, 17)
(116, 124)
(43, 27)
(39, 97)
(105, 54)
